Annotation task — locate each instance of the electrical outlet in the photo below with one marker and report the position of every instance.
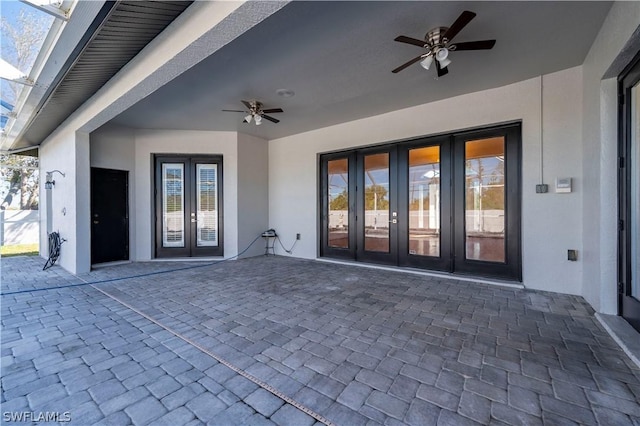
(542, 188)
(297, 236)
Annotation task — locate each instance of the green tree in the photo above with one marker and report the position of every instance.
(414, 205)
(340, 202)
(375, 197)
(19, 174)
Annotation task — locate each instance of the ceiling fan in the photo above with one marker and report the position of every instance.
(256, 112)
(438, 44)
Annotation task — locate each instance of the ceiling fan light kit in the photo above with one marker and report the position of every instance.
(427, 62)
(444, 62)
(442, 54)
(437, 44)
(256, 112)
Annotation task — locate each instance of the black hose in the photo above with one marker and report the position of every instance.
(54, 249)
(110, 280)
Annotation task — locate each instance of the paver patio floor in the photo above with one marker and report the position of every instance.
(279, 340)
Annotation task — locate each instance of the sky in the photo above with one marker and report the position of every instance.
(10, 10)
(11, 7)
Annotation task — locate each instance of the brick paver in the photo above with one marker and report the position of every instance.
(87, 373)
(356, 345)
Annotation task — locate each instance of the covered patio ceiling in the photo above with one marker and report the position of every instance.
(337, 57)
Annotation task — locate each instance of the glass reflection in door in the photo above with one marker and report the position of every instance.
(424, 201)
(485, 200)
(207, 210)
(173, 205)
(338, 196)
(376, 203)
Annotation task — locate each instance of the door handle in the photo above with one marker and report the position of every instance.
(393, 221)
(193, 220)
(95, 222)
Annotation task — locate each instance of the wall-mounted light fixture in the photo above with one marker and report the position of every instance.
(50, 183)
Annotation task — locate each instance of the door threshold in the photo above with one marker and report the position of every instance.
(625, 336)
(189, 259)
(108, 264)
(480, 280)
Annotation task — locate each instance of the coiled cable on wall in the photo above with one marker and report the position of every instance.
(55, 242)
(290, 251)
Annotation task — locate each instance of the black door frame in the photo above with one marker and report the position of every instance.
(390, 257)
(444, 261)
(325, 249)
(190, 248)
(511, 268)
(452, 200)
(628, 306)
(95, 219)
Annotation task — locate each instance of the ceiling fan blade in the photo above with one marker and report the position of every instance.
(441, 71)
(247, 104)
(474, 45)
(272, 110)
(273, 120)
(462, 21)
(406, 64)
(232, 110)
(409, 40)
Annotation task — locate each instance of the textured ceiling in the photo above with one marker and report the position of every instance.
(338, 57)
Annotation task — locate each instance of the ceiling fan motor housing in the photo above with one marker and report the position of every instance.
(434, 38)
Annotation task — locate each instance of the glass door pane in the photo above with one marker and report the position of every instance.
(338, 206)
(424, 201)
(376, 203)
(485, 200)
(634, 201)
(173, 205)
(206, 208)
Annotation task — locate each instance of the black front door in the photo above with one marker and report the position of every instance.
(629, 197)
(109, 215)
(188, 194)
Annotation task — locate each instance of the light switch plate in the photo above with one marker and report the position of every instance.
(563, 185)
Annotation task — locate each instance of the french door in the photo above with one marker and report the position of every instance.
(377, 206)
(448, 203)
(188, 192)
(629, 198)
